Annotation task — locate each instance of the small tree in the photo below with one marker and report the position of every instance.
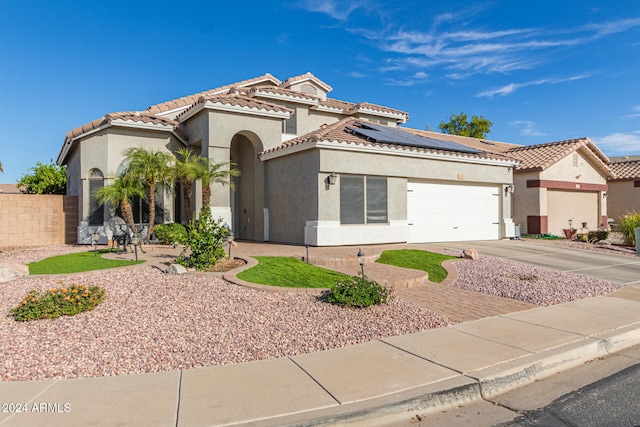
(210, 173)
(187, 170)
(459, 124)
(45, 179)
(1, 170)
(204, 238)
(120, 194)
(152, 168)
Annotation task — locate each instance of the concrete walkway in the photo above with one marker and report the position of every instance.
(378, 382)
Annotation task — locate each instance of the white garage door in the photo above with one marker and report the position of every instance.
(449, 212)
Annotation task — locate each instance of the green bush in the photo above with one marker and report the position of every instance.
(359, 292)
(57, 302)
(627, 226)
(172, 233)
(204, 238)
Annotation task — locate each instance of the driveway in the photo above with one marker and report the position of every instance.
(620, 269)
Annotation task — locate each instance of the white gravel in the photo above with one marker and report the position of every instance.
(152, 322)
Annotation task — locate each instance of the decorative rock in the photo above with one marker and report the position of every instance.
(176, 269)
(470, 253)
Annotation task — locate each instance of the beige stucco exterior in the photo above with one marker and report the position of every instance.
(622, 197)
(572, 188)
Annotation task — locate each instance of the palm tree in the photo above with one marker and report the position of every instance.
(153, 168)
(210, 173)
(187, 171)
(120, 194)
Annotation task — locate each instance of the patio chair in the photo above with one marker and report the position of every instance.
(120, 234)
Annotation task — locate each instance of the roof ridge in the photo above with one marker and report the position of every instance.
(548, 144)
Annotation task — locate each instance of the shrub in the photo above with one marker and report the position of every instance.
(359, 292)
(596, 236)
(204, 238)
(57, 302)
(172, 233)
(628, 224)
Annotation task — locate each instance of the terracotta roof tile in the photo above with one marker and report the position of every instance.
(238, 100)
(306, 76)
(282, 91)
(339, 132)
(126, 115)
(626, 170)
(542, 156)
(192, 99)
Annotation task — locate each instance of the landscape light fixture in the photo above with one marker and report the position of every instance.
(229, 239)
(361, 261)
(95, 236)
(135, 241)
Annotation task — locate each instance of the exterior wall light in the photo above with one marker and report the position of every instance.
(330, 180)
(509, 189)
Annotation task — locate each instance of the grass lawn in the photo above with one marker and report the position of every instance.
(417, 260)
(290, 273)
(77, 262)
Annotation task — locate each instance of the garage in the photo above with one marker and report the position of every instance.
(578, 206)
(452, 212)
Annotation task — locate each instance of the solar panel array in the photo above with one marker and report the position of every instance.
(389, 135)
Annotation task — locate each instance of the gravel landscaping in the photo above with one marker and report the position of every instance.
(152, 322)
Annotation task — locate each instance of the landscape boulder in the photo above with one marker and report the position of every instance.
(470, 253)
(176, 269)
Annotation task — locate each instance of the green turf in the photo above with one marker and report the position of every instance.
(417, 260)
(290, 273)
(76, 262)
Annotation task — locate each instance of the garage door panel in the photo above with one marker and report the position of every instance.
(449, 212)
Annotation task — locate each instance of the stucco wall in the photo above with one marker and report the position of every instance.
(622, 197)
(585, 172)
(37, 220)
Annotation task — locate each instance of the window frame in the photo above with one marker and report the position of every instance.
(357, 202)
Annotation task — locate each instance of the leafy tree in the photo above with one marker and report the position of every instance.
(210, 173)
(120, 194)
(45, 179)
(1, 170)
(153, 168)
(459, 124)
(187, 170)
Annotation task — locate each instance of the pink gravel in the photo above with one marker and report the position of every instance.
(152, 322)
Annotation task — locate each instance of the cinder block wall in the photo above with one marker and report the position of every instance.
(37, 220)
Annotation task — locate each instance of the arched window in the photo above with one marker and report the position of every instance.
(96, 210)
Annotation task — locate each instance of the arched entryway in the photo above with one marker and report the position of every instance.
(247, 199)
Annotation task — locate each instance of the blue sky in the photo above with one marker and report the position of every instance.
(540, 71)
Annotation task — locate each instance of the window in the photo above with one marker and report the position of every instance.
(290, 125)
(363, 200)
(96, 210)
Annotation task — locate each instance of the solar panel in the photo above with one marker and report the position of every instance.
(389, 135)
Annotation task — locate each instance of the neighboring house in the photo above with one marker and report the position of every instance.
(9, 189)
(314, 170)
(623, 195)
(560, 182)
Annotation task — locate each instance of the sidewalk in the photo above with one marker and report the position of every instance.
(378, 382)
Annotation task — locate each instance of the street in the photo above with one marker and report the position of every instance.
(604, 392)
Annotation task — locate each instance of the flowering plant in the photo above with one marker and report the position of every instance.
(56, 302)
(359, 292)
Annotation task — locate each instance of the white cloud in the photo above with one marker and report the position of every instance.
(357, 74)
(635, 114)
(336, 9)
(420, 75)
(619, 144)
(512, 87)
(527, 128)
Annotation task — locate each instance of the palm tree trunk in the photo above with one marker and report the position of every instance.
(152, 209)
(187, 190)
(206, 196)
(127, 214)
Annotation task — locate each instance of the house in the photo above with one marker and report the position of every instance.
(559, 185)
(314, 170)
(623, 195)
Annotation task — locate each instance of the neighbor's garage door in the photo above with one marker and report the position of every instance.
(449, 212)
(579, 206)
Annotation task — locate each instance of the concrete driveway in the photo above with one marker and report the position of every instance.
(620, 269)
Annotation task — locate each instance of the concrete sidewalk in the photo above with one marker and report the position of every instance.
(378, 382)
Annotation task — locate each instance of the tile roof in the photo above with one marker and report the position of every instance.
(107, 119)
(306, 76)
(625, 170)
(237, 100)
(541, 156)
(339, 132)
(256, 90)
(189, 100)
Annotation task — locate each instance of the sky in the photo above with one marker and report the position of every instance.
(540, 71)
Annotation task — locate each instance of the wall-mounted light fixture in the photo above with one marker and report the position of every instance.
(604, 194)
(330, 180)
(509, 189)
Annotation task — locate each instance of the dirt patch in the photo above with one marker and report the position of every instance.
(224, 265)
